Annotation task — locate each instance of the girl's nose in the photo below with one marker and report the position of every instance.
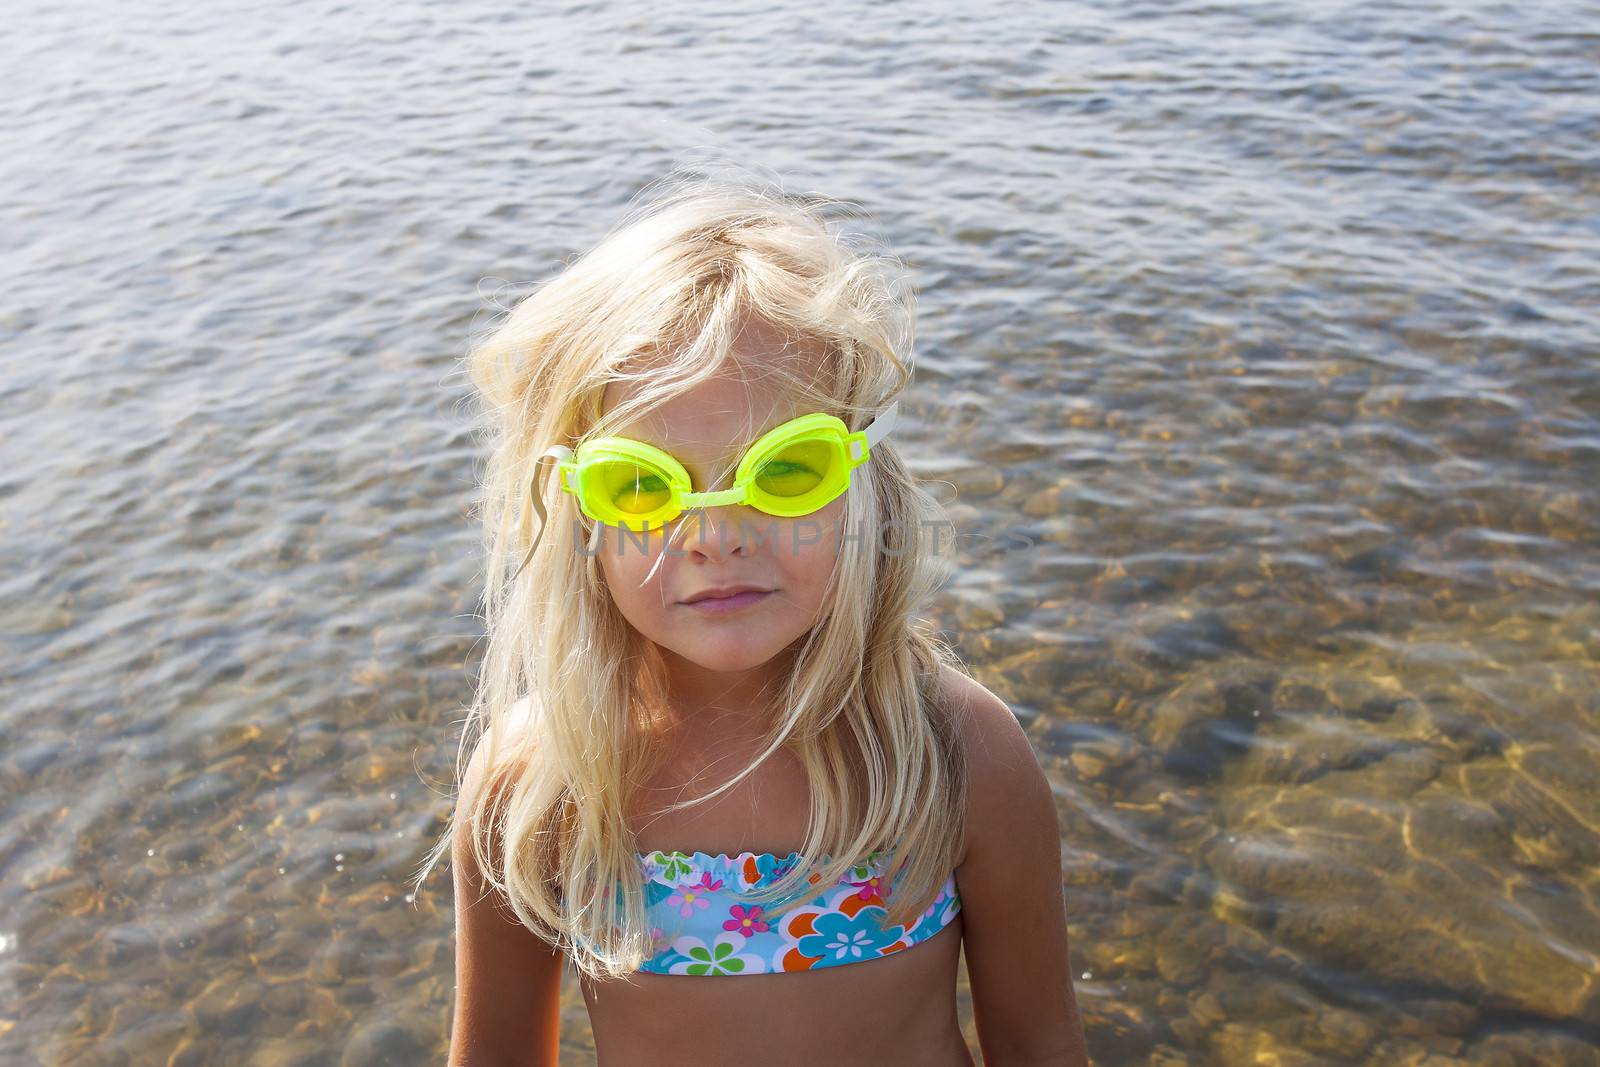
(724, 530)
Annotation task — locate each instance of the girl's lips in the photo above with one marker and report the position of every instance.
(721, 605)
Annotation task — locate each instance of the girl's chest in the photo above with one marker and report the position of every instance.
(766, 811)
(895, 1009)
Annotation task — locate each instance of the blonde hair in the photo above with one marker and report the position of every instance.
(568, 690)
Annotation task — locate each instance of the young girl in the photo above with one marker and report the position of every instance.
(714, 742)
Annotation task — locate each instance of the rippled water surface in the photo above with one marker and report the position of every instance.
(1257, 349)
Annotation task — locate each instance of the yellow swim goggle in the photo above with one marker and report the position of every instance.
(791, 470)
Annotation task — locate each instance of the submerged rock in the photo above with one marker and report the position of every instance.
(1361, 872)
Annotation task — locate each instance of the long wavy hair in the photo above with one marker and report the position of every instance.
(569, 693)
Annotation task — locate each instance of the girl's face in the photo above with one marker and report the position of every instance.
(790, 559)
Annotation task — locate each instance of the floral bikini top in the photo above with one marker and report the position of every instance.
(701, 925)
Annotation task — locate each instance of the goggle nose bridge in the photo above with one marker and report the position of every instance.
(713, 500)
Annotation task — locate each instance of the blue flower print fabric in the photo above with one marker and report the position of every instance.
(701, 925)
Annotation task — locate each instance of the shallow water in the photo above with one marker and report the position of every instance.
(1256, 348)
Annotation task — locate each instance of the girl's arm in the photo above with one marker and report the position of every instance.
(1014, 921)
(508, 981)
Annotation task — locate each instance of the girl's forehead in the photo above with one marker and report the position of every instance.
(751, 393)
(709, 419)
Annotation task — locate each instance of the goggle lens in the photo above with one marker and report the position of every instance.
(797, 469)
(629, 487)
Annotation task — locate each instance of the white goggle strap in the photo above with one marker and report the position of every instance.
(561, 453)
(879, 428)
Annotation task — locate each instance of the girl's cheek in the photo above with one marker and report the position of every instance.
(628, 571)
(808, 548)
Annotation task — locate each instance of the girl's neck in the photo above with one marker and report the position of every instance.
(695, 693)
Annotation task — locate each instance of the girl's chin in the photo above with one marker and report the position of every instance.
(734, 657)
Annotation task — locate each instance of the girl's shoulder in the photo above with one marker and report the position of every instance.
(976, 712)
(1002, 770)
(493, 767)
